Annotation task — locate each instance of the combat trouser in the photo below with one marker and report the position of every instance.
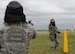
(54, 40)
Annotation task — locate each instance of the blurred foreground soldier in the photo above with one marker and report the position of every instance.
(16, 33)
(53, 33)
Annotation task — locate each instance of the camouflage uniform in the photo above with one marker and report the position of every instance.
(53, 30)
(6, 49)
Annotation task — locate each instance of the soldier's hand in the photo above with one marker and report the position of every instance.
(58, 32)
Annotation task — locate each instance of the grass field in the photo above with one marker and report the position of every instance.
(41, 45)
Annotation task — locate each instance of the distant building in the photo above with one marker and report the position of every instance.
(72, 29)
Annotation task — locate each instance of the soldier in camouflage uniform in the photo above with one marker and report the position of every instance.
(16, 32)
(53, 31)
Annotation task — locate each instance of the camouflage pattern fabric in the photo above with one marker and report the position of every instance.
(31, 33)
(53, 35)
(16, 41)
(53, 29)
(16, 38)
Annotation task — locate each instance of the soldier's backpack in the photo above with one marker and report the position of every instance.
(16, 40)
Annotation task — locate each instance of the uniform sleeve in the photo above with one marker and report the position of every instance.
(49, 28)
(57, 29)
(31, 32)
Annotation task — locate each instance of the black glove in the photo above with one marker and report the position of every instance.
(58, 32)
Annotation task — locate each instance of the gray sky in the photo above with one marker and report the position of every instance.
(41, 11)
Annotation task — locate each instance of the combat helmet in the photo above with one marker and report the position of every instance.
(14, 12)
(52, 22)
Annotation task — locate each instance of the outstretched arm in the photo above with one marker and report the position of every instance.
(31, 32)
(57, 30)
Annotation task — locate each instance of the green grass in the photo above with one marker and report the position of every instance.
(41, 45)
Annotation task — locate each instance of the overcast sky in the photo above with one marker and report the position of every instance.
(41, 11)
